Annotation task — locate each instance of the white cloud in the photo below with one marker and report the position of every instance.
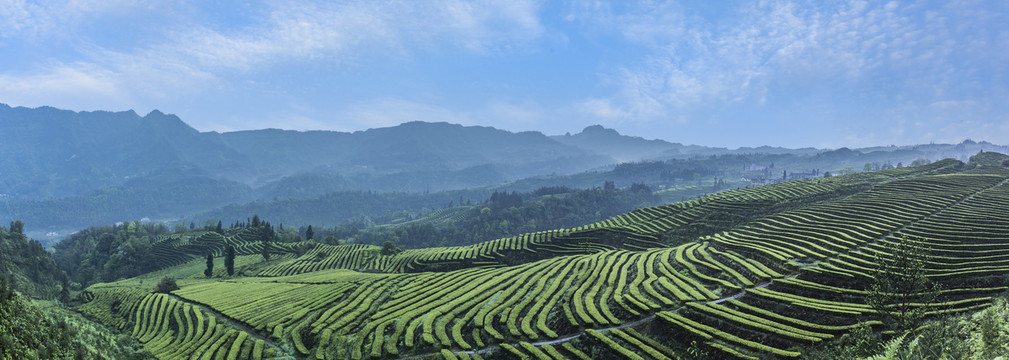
(77, 85)
(193, 57)
(799, 47)
(37, 20)
(305, 31)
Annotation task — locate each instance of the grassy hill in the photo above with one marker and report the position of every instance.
(778, 271)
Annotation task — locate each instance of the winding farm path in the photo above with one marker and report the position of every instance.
(232, 322)
(648, 318)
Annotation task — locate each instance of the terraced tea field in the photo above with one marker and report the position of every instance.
(794, 275)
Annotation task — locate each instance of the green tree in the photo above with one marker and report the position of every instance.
(266, 248)
(901, 291)
(390, 248)
(219, 229)
(229, 259)
(6, 288)
(17, 227)
(210, 265)
(309, 233)
(166, 285)
(65, 291)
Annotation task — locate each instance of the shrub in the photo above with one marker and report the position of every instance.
(166, 286)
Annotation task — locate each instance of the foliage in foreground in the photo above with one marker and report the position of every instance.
(45, 330)
(981, 335)
(28, 264)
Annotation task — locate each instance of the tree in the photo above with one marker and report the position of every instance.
(229, 259)
(65, 291)
(266, 246)
(901, 291)
(17, 227)
(309, 233)
(6, 288)
(166, 285)
(210, 265)
(390, 248)
(219, 229)
(192, 225)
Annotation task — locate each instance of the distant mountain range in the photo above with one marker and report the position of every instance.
(63, 169)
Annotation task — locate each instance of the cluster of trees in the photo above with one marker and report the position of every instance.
(107, 253)
(37, 330)
(667, 170)
(33, 329)
(26, 263)
(507, 214)
(229, 261)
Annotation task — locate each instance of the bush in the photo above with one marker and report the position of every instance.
(166, 286)
(390, 248)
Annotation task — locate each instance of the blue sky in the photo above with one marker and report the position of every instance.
(726, 73)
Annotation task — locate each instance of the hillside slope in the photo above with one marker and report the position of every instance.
(754, 273)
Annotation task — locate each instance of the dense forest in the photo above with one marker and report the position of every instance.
(28, 267)
(35, 322)
(107, 253)
(503, 215)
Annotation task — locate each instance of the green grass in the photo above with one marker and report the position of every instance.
(350, 302)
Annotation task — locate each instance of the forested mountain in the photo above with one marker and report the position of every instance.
(502, 215)
(52, 153)
(35, 322)
(413, 147)
(64, 170)
(600, 140)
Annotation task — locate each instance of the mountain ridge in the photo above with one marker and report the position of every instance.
(100, 161)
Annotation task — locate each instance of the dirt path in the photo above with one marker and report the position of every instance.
(232, 322)
(765, 284)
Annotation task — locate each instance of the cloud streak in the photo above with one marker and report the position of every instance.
(194, 55)
(784, 47)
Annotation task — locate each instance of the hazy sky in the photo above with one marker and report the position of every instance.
(726, 73)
